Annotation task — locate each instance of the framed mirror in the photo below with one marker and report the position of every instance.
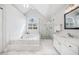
(71, 19)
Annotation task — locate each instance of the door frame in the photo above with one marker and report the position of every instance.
(3, 28)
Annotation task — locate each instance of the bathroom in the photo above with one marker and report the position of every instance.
(37, 29)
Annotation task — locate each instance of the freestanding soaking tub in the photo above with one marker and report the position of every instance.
(29, 42)
(32, 41)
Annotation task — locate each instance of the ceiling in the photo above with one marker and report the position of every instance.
(45, 9)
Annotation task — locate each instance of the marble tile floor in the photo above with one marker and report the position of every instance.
(46, 48)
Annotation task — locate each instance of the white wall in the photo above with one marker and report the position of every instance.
(59, 17)
(42, 8)
(14, 23)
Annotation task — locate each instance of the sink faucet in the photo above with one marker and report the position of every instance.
(70, 35)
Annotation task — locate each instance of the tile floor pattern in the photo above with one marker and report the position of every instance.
(45, 49)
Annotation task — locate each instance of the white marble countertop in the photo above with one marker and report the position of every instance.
(65, 38)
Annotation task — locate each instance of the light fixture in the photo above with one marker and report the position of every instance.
(70, 7)
(25, 5)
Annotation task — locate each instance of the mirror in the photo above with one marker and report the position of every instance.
(71, 19)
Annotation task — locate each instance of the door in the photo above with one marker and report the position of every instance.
(1, 30)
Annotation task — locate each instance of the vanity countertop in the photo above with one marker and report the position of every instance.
(66, 38)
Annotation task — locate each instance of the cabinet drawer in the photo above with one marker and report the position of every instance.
(66, 51)
(66, 48)
(71, 47)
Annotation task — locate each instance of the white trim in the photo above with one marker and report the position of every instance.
(3, 28)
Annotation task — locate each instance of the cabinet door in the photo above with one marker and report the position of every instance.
(66, 50)
(73, 48)
(57, 45)
(0, 30)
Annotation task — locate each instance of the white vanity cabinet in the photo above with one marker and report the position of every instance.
(64, 46)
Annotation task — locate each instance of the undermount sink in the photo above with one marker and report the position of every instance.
(66, 35)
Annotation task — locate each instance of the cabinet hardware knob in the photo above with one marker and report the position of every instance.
(70, 46)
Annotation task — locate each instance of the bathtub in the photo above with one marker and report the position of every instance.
(30, 42)
(31, 37)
